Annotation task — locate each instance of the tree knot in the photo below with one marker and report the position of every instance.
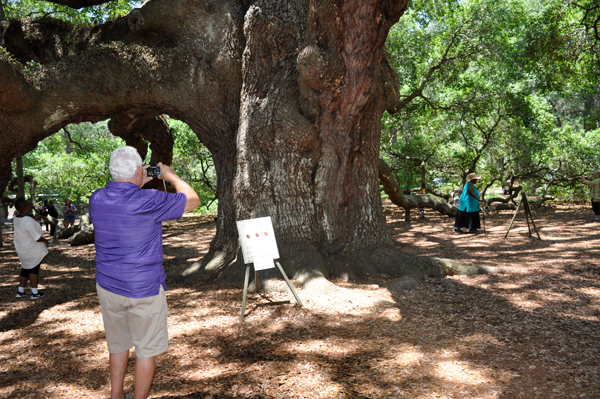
(135, 19)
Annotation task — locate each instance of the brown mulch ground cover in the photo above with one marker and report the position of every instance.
(530, 331)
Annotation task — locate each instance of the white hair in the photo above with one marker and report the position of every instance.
(123, 162)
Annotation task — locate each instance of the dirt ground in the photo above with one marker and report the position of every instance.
(530, 331)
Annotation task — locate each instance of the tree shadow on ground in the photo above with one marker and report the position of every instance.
(506, 335)
(517, 353)
(64, 280)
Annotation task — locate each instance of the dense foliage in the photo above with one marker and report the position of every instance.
(90, 15)
(504, 88)
(193, 162)
(75, 164)
(72, 163)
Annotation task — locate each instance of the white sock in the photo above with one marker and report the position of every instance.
(34, 291)
(21, 289)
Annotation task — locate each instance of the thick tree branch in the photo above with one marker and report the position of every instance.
(392, 189)
(94, 73)
(169, 56)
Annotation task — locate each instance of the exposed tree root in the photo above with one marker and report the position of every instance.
(311, 272)
(209, 267)
(62, 233)
(85, 235)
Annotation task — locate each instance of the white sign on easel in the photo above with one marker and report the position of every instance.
(258, 243)
(259, 247)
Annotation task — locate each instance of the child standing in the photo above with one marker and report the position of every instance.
(31, 247)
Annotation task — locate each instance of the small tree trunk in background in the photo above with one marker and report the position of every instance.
(67, 136)
(20, 177)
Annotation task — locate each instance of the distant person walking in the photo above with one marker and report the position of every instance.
(31, 247)
(594, 194)
(468, 207)
(69, 211)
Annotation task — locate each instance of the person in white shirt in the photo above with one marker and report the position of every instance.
(594, 194)
(31, 247)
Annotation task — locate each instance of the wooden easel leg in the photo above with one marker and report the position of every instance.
(245, 296)
(289, 284)
(535, 227)
(513, 219)
(527, 216)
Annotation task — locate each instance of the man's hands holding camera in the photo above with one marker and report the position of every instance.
(161, 171)
(165, 173)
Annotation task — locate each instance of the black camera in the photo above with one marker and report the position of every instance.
(153, 171)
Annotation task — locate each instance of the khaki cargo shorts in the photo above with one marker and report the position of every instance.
(135, 322)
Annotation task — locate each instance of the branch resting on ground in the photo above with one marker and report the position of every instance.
(392, 189)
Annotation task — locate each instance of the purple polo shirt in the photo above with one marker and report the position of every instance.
(128, 237)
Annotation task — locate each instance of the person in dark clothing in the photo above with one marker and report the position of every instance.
(44, 213)
(52, 211)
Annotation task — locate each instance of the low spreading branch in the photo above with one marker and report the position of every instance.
(408, 202)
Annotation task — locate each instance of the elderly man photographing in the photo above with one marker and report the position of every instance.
(130, 278)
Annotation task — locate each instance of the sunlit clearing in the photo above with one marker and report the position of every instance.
(458, 372)
(323, 347)
(89, 321)
(406, 356)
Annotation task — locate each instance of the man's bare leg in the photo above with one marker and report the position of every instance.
(118, 368)
(144, 374)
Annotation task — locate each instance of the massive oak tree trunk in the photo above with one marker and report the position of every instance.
(286, 94)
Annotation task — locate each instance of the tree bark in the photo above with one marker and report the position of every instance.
(308, 143)
(343, 79)
(20, 178)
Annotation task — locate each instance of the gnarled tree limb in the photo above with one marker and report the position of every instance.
(392, 189)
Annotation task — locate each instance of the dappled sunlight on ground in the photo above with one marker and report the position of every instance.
(529, 331)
